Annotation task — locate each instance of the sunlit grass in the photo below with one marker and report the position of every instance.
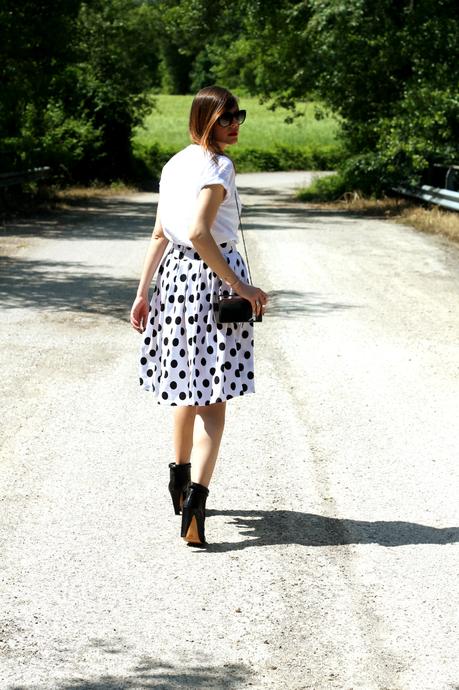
(167, 126)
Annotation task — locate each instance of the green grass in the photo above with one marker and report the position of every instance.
(266, 141)
(167, 125)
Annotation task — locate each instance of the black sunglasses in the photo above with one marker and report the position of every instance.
(227, 117)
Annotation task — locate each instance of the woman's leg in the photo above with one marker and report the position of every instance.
(208, 433)
(183, 432)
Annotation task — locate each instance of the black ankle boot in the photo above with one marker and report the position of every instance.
(179, 482)
(194, 514)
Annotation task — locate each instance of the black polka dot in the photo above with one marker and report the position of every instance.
(175, 342)
(143, 360)
(247, 354)
(182, 374)
(210, 349)
(173, 385)
(206, 383)
(150, 372)
(165, 396)
(182, 396)
(147, 341)
(174, 363)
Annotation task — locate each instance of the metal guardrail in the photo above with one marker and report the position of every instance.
(451, 175)
(434, 195)
(13, 178)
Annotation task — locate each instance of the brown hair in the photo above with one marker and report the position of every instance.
(208, 104)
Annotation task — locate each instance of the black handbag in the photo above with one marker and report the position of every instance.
(233, 308)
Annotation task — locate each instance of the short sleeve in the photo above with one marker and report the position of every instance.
(220, 172)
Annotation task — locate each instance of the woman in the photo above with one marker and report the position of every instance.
(188, 359)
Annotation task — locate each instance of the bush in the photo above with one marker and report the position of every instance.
(329, 188)
(149, 159)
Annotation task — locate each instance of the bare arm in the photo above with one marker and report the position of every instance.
(209, 200)
(155, 251)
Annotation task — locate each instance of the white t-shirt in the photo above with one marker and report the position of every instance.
(182, 178)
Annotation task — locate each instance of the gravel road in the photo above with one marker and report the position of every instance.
(332, 513)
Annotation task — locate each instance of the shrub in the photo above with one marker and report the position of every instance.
(329, 188)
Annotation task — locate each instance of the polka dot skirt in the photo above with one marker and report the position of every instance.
(187, 357)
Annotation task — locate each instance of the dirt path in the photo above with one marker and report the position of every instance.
(332, 513)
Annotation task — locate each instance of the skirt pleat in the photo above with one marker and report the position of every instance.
(187, 357)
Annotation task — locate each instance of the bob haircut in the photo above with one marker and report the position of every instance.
(208, 104)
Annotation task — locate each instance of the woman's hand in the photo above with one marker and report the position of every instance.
(257, 298)
(139, 313)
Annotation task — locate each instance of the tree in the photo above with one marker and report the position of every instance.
(76, 78)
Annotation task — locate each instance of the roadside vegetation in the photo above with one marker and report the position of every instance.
(78, 77)
(266, 140)
(430, 219)
(367, 89)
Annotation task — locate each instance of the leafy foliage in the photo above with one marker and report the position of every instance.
(389, 69)
(76, 81)
(76, 77)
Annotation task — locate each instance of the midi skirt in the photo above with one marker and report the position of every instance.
(187, 357)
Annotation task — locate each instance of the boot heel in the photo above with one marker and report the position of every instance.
(194, 514)
(178, 484)
(192, 533)
(177, 501)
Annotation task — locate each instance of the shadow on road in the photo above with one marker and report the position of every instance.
(71, 287)
(270, 527)
(152, 673)
(291, 302)
(64, 287)
(100, 219)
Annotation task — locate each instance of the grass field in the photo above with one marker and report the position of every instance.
(266, 141)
